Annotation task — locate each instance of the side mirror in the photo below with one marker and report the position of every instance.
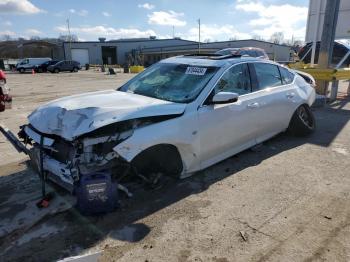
(225, 98)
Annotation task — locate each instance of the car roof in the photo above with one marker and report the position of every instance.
(215, 60)
(243, 48)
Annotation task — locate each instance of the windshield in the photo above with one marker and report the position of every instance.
(179, 83)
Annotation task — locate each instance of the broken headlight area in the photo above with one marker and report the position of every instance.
(66, 162)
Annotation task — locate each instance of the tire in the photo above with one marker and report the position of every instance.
(75, 70)
(302, 122)
(159, 159)
(40, 70)
(56, 70)
(21, 70)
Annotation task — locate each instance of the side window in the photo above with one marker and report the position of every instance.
(267, 75)
(287, 77)
(236, 80)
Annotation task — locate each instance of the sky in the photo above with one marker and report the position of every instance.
(114, 19)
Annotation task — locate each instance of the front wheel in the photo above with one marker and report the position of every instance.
(302, 122)
(56, 70)
(75, 69)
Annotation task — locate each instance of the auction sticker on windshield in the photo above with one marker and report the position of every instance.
(196, 71)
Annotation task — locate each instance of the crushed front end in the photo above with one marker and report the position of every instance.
(65, 162)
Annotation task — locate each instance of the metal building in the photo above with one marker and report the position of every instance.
(114, 51)
(150, 50)
(275, 52)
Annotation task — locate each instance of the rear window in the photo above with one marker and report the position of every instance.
(252, 53)
(286, 75)
(268, 75)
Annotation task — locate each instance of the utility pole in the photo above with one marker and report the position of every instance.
(327, 39)
(199, 36)
(70, 38)
(328, 34)
(314, 40)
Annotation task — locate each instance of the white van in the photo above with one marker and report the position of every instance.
(29, 63)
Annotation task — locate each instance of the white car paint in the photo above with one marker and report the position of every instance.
(204, 134)
(73, 116)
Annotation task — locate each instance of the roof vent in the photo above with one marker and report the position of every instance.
(102, 39)
(153, 37)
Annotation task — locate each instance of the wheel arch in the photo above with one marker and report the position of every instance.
(163, 157)
(295, 109)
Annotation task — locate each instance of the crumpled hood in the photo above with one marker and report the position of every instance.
(73, 116)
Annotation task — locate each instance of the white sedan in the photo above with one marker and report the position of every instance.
(179, 116)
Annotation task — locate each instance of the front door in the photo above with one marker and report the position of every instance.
(226, 129)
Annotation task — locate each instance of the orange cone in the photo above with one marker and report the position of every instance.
(33, 72)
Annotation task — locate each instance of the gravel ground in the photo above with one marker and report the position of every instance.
(288, 200)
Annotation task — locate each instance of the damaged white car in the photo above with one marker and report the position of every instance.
(179, 116)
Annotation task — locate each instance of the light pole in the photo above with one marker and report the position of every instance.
(70, 38)
(199, 36)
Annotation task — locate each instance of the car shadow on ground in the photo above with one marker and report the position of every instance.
(70, 232)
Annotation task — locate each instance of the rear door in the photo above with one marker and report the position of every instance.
(63, 66)
(274, 97)
(67, 66)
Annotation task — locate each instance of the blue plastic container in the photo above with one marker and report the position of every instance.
(96, 194)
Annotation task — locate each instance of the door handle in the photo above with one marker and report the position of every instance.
(253, 105)
(290, 95)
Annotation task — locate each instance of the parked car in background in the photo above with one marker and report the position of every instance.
(43, 67)
(339, 51)
(64, 66)
(244, 51)
(30, 63)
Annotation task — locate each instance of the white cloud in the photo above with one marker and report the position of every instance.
(82, 12)
(146, 6)
(284, 18)
(33, 32)
(110, 32)
(215, 32)
(18, 7)
(170, 18)
(106, 14)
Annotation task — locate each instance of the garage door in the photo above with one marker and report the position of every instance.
(81, 56)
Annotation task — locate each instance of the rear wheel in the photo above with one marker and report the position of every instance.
(56, 70)
(302, 122)
(75, 69)
(21, 70)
